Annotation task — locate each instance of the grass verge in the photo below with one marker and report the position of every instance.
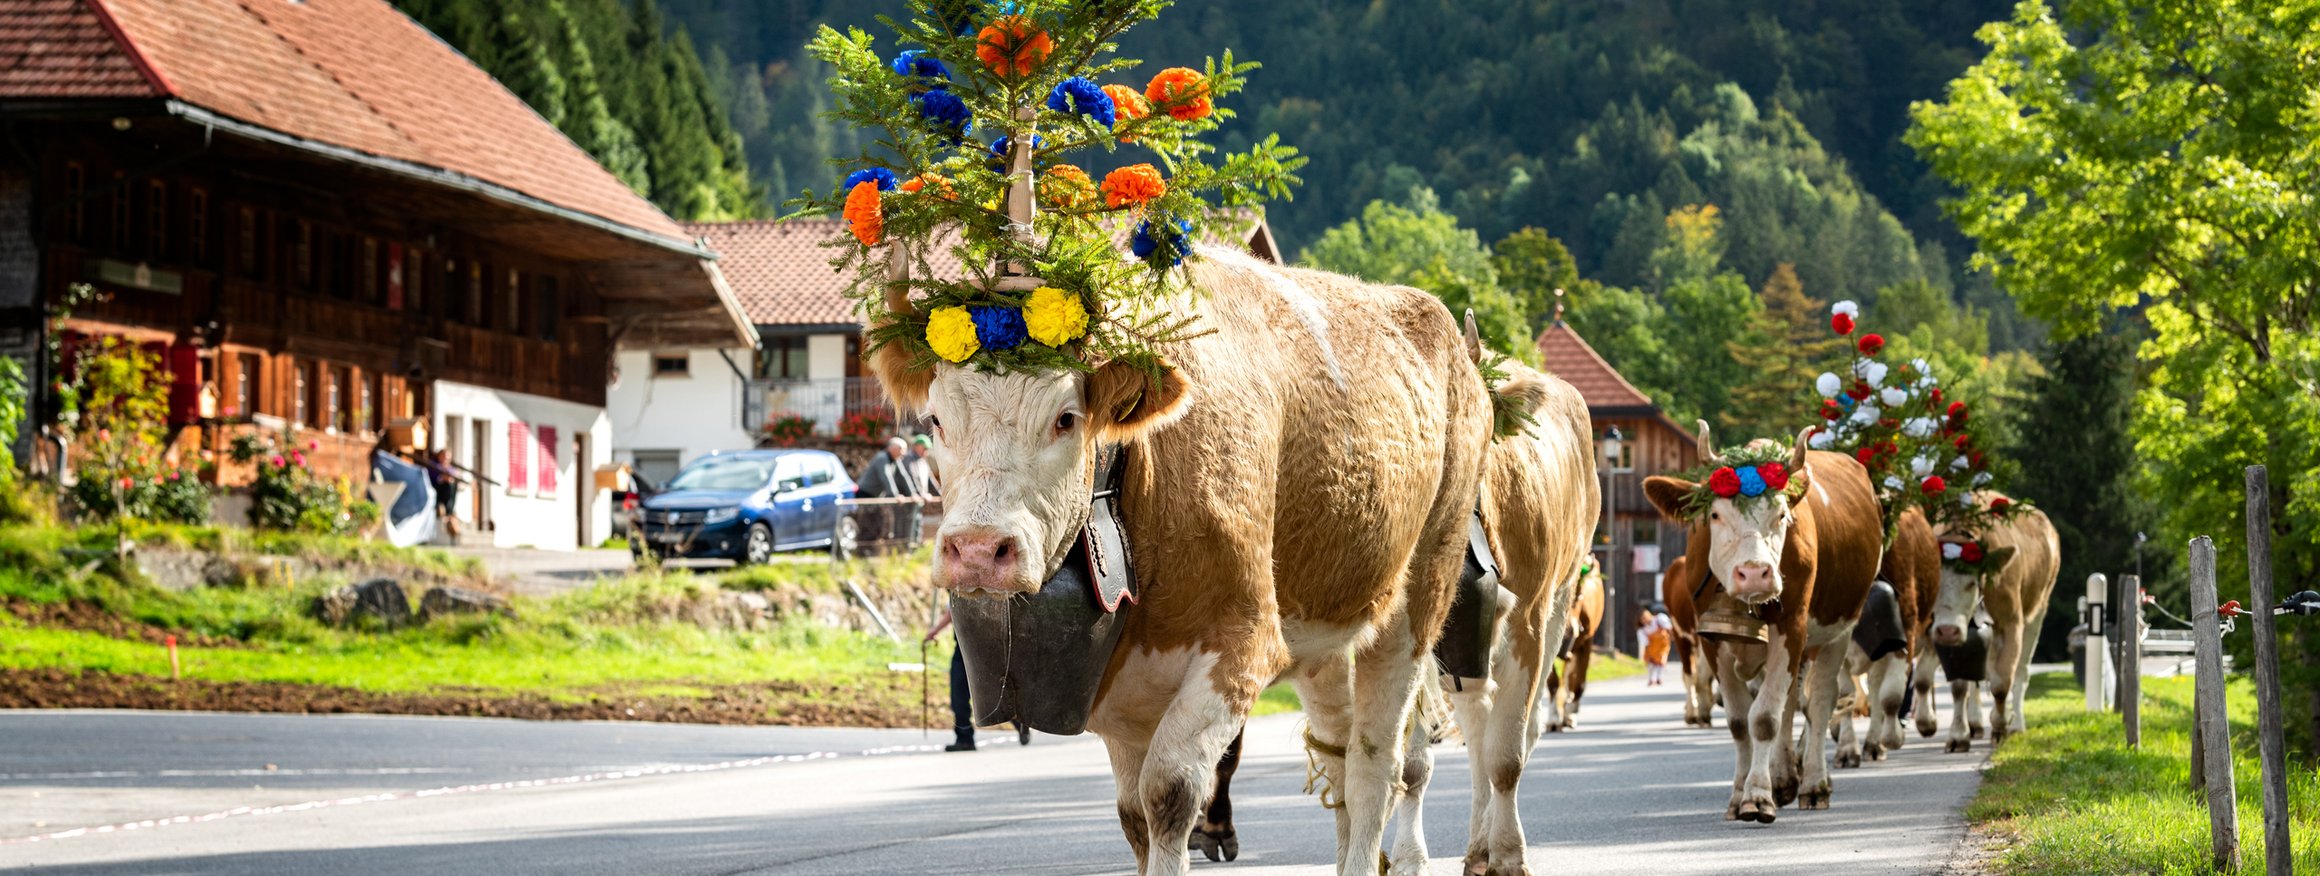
(2068, 796)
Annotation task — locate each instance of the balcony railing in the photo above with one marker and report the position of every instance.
(825, 401)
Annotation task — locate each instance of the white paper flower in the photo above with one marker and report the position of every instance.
(1920, 465)
(1865, 414)
(1919, 427)
(1960, 463)
(1965, 499)
(1828, 384)
(1893, 482)
(1982, 478)
(1822, 439)
(1871, 370)
(1893, 397)
(1922, 366)
(1846, 307)
(1927, 382)
(1951, 550)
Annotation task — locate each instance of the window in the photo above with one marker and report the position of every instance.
(337, 415)
(519, 457)
(548, 304)
(514, 293)
(120, 213)
(657, 467)
(545, 461)
(366, 406)
(157, 219)
(246, 242)
(76, 192)
(245, 385)
(784, 358)
(369, 283)
(672, 364)
(197, 226)
(301, 384)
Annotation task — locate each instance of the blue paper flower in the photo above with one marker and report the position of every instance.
(1001, 146)
(883, 177)
(1078, 95)
(920, 65)
(947, 110)
(1751, 482)
(1143, 244)
(998, 328)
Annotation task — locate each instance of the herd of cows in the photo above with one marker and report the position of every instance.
(1300, 487)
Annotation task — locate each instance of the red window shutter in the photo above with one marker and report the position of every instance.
(547, 460)
(519, 456)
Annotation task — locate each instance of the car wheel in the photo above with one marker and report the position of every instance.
(846, 538)
(758, 547)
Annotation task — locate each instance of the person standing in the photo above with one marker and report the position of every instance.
(443, 476)
(962, 705)
(1655, 632)
(888, 477)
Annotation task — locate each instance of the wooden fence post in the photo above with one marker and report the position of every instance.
(2097, 651)
(2211, 721)
(2129, 608)
(2270, 738)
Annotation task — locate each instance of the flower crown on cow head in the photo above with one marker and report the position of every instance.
(1747, 475)
(1964, 556)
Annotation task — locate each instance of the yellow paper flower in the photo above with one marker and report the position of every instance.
(950, 332)
(1055, 317)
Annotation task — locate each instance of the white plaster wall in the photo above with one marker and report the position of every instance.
(826, 357)
(523, 518)
(694, 414)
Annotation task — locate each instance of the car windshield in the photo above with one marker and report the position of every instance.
(723, 474)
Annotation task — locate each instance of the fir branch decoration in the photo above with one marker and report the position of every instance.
(1508, 417)
(1036, 83)
(1747, 474)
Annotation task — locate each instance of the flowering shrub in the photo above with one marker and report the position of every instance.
(790, 429)
(288, 495)
(124, 466)
(864, 426)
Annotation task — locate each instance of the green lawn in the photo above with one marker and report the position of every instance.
(2068, 796)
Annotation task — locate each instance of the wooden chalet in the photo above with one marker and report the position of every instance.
(329, 222)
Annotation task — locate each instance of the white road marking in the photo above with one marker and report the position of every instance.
(388, 796)
(179, 774)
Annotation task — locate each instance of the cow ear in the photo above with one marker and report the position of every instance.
(905, 385)
(1997, 558)
(1668, 494)
(1126, 400)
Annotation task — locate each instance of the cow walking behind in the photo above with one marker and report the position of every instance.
(2005, 568)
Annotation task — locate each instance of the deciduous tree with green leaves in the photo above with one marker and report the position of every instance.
(1417, 244)
(2115, 155)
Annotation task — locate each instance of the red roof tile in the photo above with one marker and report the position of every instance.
(63, 49)
(1568, 356)
(350, 73)
(781, 273)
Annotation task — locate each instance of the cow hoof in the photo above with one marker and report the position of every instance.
(1206, 845)
(1958, 745)
(1847, 760)
(1783, 793)
(1926, 729)
(1570, 723)
(1873, 751)
(1814, 799)
(1231, 846)
(1758, 811)
(1478, 862)
(1975, 732)
(1998, 736)
(1732, 812)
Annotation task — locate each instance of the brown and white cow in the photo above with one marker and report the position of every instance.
(1297, 486)
(1912, 565)
(1804, 568)
(1699, 677)
(1568, 681)
(2022, 555)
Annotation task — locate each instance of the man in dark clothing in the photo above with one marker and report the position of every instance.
(888, 476)
(445, 479)
(962, 705)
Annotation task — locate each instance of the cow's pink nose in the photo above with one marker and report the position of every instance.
(1753, 579)
(979, 559)
(1947, 634)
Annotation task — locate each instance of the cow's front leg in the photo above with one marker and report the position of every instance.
(1699, 688)
(2030, 635)
(1888, 683)
(1385, 676)
(1921, 686)
(1324, 685)
(1179, 766)
(1477, 703)
(2005, 647)
(1214, 836)
(1127, 755)
(1409, 842)
(1751, 775)
(1774, 748)
(1819, 709)
(1850, 692)
(1961, 706)
(1974, 723)
(1785, 766)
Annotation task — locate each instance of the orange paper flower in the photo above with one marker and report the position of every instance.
(1181, 91)
(1012, 46)
(920, 182)
(1127, 106)
(862, 215)
(1067, 187)
(1133, 186)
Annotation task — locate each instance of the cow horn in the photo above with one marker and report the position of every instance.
(1796, 451)
(898, 280)
(1708, 445)
(1473, 338)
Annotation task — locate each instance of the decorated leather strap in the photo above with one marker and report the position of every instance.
(1109, 565)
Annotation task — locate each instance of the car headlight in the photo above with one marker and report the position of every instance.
(720, 515)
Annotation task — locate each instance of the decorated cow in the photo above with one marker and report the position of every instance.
(1567, 682)
(1787, 542)
(1699, 677)
(1999, 559)
(1891, 634)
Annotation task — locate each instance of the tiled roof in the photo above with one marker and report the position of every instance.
(1568, 356)
(781, 273)
(354, 74)
(62, 49)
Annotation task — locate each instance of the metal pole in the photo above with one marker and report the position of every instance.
(2270, 737)
(2098, 651)
(2211, 721)
(2130, 611)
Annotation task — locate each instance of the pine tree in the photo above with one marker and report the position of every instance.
(2078, 463)
(1784, 346)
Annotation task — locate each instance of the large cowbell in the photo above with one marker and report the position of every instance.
(1036, 659)
(1880, 631)
(1471, 630)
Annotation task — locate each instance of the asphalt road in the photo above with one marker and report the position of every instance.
(1631, 791)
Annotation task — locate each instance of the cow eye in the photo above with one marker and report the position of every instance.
(1064, 422)
(934, 424)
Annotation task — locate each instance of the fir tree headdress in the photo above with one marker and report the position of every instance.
(976, 124)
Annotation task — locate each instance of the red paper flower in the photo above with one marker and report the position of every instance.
(1860, 391)
(2000, 504)
(1866, 455)
(1841, 324)
(1871, 343)
(1963, 439)
(127, 483)
(1933, 485)
(1889, 423)
(1774, 474)
(1933, 399)
(1830, 410)
(1957, 411)
(1970, 552)
(1724, 482)
(1975, 459)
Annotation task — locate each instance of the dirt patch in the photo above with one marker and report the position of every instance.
(874, 701)
(88, 617)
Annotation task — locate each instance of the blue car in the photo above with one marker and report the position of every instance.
(746, 505)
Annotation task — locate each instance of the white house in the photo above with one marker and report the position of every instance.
(668, 407)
